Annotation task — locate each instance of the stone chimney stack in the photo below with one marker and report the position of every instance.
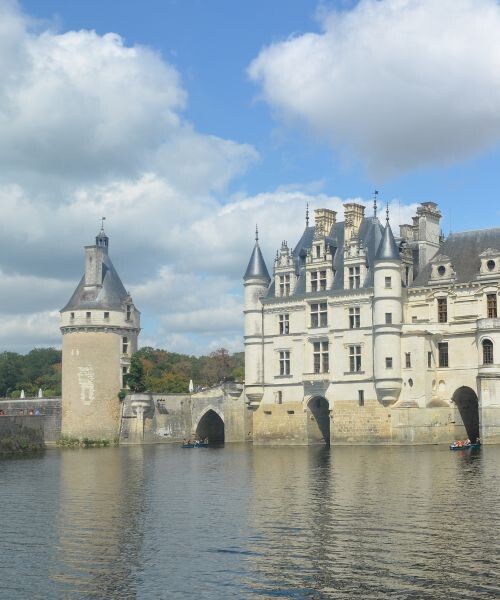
(324, 220)
(353, 215)
(93, 265)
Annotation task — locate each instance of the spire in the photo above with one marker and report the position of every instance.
(102, 239)
(257, 267)
(387, 214)
(375, 195)
(307, 214)
(388, 249)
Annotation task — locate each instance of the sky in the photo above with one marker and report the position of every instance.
(186, 122)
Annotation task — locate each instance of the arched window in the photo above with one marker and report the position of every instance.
(487, 352)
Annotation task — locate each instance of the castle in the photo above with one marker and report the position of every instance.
(360, 337)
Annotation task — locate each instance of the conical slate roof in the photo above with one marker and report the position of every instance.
(110, 295)
(388, 249)
(257, 267)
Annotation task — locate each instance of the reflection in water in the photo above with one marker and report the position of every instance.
(100, 523)
(261, 523)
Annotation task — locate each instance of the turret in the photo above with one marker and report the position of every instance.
(387, 318)
(256, 281)
(100, 327)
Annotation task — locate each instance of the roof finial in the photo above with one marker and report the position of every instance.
(256, 233)
(387, 213)
(102, 224)
(375, 194)
(307, 214)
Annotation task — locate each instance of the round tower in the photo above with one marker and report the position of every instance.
(100, 326)
(256, 281)
(387, 319)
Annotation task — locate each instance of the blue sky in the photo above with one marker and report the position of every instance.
(199, 118)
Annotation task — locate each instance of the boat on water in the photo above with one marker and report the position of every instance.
(456, 446)
(195, 445)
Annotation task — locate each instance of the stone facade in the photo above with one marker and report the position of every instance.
(375, 339)
(100, 327)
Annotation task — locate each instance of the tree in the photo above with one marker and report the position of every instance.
(135, 378)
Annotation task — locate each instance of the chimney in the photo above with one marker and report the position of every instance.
(353, 215)
(93, 265)
(324, 220)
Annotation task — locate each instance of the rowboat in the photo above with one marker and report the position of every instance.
(188, 445)
(464, 447)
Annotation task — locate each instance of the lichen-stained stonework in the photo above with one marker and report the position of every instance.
(375, 338)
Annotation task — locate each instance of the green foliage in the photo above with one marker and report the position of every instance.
(135, 379)
(121, 395)
(40, 368)
(162, 371)
(69, 442)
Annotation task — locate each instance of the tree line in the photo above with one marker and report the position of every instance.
(162, 371)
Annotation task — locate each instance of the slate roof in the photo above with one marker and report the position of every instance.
(370, 233)
(387, 249)
(110, 296)
(463, 249)
(257, 267)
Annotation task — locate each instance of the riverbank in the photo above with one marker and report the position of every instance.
(21, 435)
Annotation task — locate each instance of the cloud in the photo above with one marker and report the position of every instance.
(397, 83)
(92, 127)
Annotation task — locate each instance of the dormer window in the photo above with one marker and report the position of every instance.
(129, 312)
(354, 278)
(490, 262)
(106, 315)
(284, 285)
(72, 315)
(318, 251)
(441, 270)
(318, 281)
(88, 315)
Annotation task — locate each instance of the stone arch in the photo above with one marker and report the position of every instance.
(210, 425)
(465, 399)
(318, 422)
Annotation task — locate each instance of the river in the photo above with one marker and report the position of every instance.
(251, 523)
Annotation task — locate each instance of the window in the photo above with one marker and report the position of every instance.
(388, 282)
(88, 315)
(354, 278)
(318, 281)
(441, 270)
(388, 318)
(491, 303)
(125, 345)
(284, 362)
(361, 397)
(354, 359)
(106, 315)
(284, 285)
(129, 312)
(407, 276)
(321, 358)
(279, 397)
(124, 373)
(72, 315)
(490, 265)
(407, 360)
(319, 315)
(487, 352)
(443, 354)
(388, 362)
(318, 251)
(429, 359)
(284, 324)
(442, 310)
(354, 318)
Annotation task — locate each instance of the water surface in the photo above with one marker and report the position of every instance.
(251, 523)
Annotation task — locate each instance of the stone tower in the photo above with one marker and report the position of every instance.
(387, 319)
(256, 281)
(100, 326)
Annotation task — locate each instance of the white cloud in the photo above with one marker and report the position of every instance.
(93, 127)
(399, 83)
